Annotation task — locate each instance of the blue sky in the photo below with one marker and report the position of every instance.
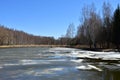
(45, 17)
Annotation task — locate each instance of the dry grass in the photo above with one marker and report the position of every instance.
(20, 46)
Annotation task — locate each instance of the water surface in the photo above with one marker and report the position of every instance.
(53, 64)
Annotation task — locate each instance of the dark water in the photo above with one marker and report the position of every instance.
(53, 64)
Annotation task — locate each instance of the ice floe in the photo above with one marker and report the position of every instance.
(48, 71)
(1, 67)
(77, 61)
(99, 55)
(83, 67)
(77, 53)
(88, 67)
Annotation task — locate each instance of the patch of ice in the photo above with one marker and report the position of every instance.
(98, 55)
(109, 56)
(81, 52)
(83, 67)
(56, 60)
(56, 69)
(1, 67)
(32, 62)
(77, 61)
(30, 72)
(84, 55)
(94, 67)
(74, 52)
(51, 70)
(88, 67)
(44, 71)
(117, 65)
(27, 62)
(11, 64)
(60, 48)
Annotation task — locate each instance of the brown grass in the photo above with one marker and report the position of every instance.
(20, 46)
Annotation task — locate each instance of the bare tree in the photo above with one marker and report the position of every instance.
(84, 29)
(107, 20)
(70, 31)
(94, 26)
(91, 24)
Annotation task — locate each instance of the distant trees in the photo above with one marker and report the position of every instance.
(67, 39)
(15, 37)
(70, 31)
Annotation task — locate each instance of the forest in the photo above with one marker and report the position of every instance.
(16, 37)
(95, 30)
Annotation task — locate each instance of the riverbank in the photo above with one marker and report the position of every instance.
(86, 47)
(23, 46)
(83, 47)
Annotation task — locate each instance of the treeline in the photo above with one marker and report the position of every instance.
(96, 30)
(15, 37)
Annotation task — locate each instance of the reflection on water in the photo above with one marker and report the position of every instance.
(53, 64)
(111, 75)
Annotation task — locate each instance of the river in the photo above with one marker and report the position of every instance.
(54, 64)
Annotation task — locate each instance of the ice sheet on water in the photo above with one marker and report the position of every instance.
(87, 54)
(32, 62)
(118, 65)
(59, 49)
(1, 67)
(88, 67)
(77, 61)
(48, 71)
(21, 62)
(25, 62)
(83, 67)
(109, 55)
(101, 55)
(94, 67)
(11, 64)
